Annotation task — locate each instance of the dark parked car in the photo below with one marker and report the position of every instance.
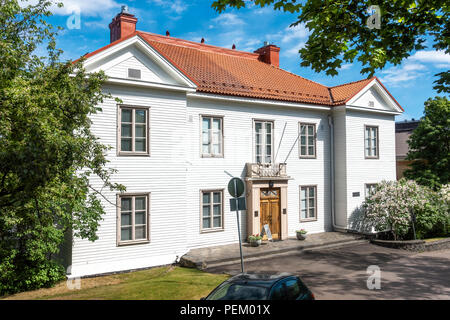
(262, 287)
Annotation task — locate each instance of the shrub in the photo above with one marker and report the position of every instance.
(393, 204)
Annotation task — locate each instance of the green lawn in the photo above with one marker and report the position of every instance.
(163, 283)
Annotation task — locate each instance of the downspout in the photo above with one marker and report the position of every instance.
(333, 215)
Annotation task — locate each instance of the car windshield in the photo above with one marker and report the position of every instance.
(235, 291)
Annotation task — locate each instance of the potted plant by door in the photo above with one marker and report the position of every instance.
(255, 240)
(301, 234)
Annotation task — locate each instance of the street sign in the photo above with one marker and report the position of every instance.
(240, 204)
(236, 187)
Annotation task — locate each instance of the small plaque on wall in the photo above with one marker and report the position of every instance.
(355, 194)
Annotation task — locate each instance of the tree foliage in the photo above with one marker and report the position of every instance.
(47, 149)
(339, 33)
(429, 145)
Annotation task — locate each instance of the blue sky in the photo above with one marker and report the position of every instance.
(411, 83)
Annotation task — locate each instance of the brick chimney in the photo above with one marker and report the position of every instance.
(122, 25)
(269, 54)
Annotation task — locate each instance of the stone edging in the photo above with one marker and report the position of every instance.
(414, 245)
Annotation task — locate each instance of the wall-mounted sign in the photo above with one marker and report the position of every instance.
(355, 194)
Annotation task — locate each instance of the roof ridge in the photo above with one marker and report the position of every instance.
(200, 46)
(353, 82)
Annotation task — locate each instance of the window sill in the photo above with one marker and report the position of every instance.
(372, 158)
(132, 154)
(132, 242)
(212, 230)
(307, 157)
(308, 220)
(212, 156)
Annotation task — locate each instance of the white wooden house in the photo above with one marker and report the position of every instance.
(193, 115)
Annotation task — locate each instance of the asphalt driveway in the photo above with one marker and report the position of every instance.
(341, 273)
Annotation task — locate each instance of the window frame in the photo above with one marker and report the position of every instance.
(133, 225)
(300, 139)
(133, 130)
(222, 136)
(263, 155)
(315, 218)
(222, 211)
(377, 156)
(365, 188)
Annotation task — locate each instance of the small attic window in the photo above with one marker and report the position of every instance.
(134, 73)
(371, 104)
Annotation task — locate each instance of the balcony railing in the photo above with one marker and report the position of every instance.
(266, 170)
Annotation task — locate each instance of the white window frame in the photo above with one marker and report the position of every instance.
(264, 140)
(210, 137)
(133, 196)
(211, 204)
(307, 203)
(368, 187)
(377, 142)
(307, 155)
(133, 131)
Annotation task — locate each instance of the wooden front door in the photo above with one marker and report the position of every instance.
(270, 211)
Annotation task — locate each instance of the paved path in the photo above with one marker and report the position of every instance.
(340, 273)
(229, 254)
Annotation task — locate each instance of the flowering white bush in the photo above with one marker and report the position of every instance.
(445, 193)
(390, 207)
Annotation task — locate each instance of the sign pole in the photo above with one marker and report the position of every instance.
(239, 229)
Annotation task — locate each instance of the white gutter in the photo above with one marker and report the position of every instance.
(332, 161)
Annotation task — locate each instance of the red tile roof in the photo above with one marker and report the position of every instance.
(238, 73)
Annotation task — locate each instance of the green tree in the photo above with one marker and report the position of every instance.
(429, 145)
(47, 150)
(339, 32)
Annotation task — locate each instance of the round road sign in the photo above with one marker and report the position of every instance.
(236, 187)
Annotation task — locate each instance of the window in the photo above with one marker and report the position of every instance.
(308, 203)
(307, 140)
(133, 130)
(370, 189)
(133, 218)
(212, 133)
(263, 141)
(371, 142)
(289, 289)
(212, 210)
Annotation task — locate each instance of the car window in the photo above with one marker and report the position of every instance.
(233, 291)
(289, 289)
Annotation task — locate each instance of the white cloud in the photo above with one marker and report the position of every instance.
(346, 66)
(89, 8)
(295, 33)
(293, 51)
(176, 6)
(403, 75)
(436, 57)
(228, 19)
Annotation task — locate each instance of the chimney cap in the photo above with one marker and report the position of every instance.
(124, 9)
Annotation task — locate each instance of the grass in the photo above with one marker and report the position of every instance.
(162, 283)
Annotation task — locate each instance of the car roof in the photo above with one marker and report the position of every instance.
(259, 279)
